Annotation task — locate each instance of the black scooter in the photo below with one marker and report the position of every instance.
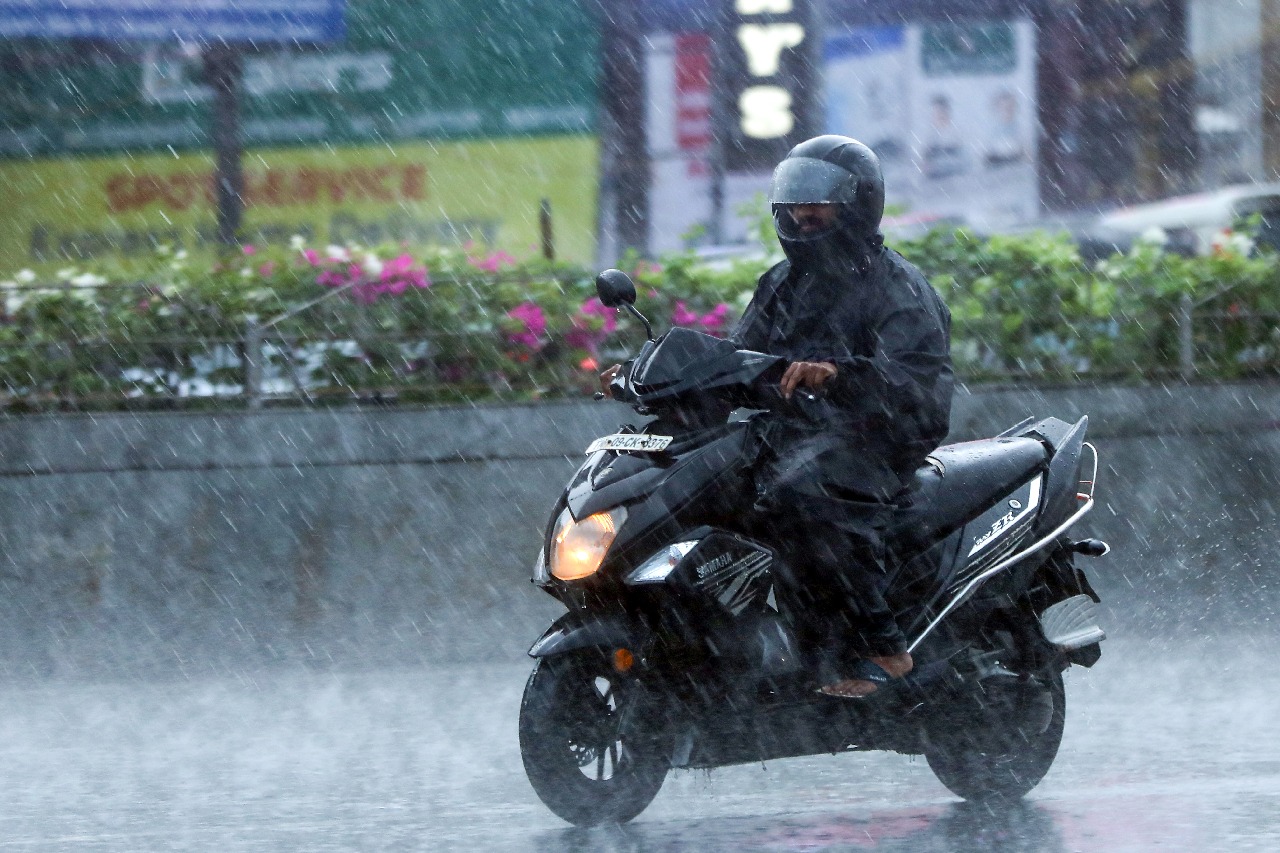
(676, 654)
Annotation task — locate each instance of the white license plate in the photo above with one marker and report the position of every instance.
(630, 441)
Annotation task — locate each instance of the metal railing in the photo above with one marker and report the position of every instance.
(331, 356)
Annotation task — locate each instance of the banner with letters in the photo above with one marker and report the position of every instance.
(487, 193)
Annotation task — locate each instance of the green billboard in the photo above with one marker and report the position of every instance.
(408, 69)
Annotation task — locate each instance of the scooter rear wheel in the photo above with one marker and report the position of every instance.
(997, 744)
(581, 762)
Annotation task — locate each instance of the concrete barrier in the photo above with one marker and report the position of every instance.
(201, 543)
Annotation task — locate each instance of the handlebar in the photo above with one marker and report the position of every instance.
(765, 394)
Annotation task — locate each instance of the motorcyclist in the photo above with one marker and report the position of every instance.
(865, 331)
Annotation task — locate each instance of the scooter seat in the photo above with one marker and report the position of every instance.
(959, 482)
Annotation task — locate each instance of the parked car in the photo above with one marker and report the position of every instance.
(1193, 224)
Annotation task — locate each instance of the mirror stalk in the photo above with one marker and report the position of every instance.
(648, 330)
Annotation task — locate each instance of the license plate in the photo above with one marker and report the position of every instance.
(630, 441)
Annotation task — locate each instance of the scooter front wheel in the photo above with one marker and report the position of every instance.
(580, 752)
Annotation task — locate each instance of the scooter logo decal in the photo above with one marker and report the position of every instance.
(1010, 518)
(712, 565)
(733, 581)
(1001, 524)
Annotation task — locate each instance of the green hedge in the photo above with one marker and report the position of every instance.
(457, 325)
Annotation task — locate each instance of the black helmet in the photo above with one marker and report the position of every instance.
(829, 170)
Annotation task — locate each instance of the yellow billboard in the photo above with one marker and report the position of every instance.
(486, 192)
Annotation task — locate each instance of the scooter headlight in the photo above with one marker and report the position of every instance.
(578, 547)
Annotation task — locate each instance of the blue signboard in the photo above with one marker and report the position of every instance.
(163, 20)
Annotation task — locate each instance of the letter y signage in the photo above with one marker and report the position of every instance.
(768, 80)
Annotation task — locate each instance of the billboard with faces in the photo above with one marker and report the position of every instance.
(950, 108)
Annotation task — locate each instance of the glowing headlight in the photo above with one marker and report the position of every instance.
(656, 568)
(578, 547)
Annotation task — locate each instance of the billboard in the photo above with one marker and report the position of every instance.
(193, 20)
(60, 210)
(678, 123)
(770, 70)
(420, 69)
(950, 109)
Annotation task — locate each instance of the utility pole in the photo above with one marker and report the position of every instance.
(1269, 47)
(224, 69)
(625, 154)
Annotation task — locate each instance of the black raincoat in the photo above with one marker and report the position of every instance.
(889, 335)
(829, 479)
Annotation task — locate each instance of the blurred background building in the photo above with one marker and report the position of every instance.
(645, 125)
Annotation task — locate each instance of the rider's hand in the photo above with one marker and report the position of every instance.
(806, 374)
(607, 377)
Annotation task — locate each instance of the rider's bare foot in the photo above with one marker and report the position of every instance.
(892, 666)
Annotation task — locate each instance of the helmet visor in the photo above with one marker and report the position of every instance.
(805, 180)
(805, 226)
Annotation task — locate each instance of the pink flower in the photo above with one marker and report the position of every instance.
(682, 316)
(248, 249)
(594, 306)
(717, 319)
(312, 256)
(712, 322)
(267, 270)
(493, 263)
(397, 266)
(530, 324)
(399, 274)
(591, 325)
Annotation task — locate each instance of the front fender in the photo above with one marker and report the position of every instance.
(574, 631)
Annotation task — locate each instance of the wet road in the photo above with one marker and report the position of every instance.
(1156, 756)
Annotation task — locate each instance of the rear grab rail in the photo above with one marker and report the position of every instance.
(1039, 545)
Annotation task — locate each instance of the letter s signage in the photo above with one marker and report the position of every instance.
(769, 81)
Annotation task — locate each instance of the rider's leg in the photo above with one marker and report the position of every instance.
(833, 573)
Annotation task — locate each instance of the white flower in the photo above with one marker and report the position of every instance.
(1241, 244)
(337, 253)
(246, 272)
(297, 242)
(181, 255)
(13, 303)
(25, 276)
(372, 265)
(1155, 235)
(65, 274)
(88, 279)
(163, 249)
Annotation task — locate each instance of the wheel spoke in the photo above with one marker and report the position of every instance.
(600, 766)
(613, 758)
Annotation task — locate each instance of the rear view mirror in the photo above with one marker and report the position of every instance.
(615, 289)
